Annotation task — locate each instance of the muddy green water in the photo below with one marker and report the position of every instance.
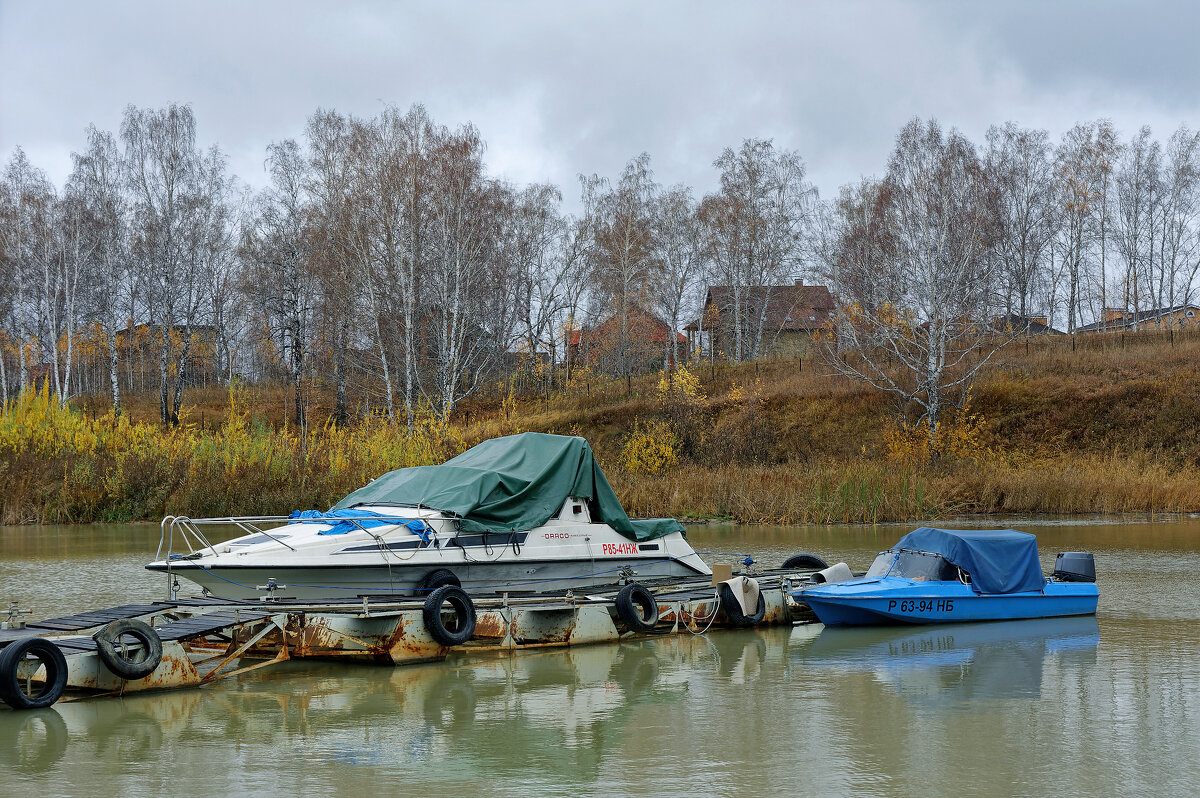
(1101, 706)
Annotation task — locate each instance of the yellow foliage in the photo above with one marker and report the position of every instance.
(741, 393)
(650, 449)
(681, 386)
(956, 438)
(581, 377)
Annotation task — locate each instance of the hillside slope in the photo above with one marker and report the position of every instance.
(1109, 425)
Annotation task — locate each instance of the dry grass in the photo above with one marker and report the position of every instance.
(1106, 427)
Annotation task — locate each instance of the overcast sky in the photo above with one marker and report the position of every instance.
(559, 88)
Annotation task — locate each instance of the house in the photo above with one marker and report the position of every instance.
(1123, 319)
(636, 340)
(789, 316)
(1017, 324)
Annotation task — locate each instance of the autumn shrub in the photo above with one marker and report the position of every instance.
(650, 449)
(957, 437)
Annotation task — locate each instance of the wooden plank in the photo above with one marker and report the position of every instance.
(85, 620)
(207, 624)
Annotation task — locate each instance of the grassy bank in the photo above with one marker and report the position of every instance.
(1106, 426)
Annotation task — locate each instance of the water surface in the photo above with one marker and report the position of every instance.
(1097, 706)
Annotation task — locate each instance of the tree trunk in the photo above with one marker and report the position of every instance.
(112, 372)
(340, 416)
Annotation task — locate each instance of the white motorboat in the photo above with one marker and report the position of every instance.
(480, 520)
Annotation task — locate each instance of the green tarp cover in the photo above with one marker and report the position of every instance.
(511, 484)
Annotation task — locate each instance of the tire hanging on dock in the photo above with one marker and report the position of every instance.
(733, 609)
(463, 608)
(805, 560)
(436, 578)
(637, 607)
(108, 638)
(14, 679)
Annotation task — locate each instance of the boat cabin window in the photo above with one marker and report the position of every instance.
(575, 509)
(254, 539)
(919, 565)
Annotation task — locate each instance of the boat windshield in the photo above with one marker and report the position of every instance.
(883, 564)
(919, 565)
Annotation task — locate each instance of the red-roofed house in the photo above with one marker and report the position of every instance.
(788, 316)
(643, 344)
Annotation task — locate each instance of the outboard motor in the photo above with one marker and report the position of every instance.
(1075, 566)
(834, 573)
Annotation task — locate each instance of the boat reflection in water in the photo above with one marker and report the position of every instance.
(964, 662)
(549, 715)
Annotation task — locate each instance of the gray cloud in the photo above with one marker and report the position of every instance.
(558, 89)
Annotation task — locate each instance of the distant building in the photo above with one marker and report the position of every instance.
(789, 315)
(1023, 325)
(636, 342)
(1118, 319)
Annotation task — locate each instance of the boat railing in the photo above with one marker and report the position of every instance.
(194, 540)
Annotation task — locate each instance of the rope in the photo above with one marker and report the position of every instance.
(711, 617)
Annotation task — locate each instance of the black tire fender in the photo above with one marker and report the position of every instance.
(11, 658)
(805, 560)
(733, 610)
(130, 670)
(436, 578)
(636, 607)
(462, 605)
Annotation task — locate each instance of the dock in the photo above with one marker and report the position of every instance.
(206, 639)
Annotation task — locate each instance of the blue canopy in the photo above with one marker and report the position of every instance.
(340, 527)
(998, 560)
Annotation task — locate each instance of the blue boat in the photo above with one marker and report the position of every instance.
(951, 576)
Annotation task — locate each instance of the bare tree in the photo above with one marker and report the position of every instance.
(283, 280)
(27, 200)
(539, 270)
(1019, 165)
(1138, 193)
(333, 207)
(679, 255)
(470, 310)
(914, 278)
(167, 178)
(1179, 247)
(73, 239)
(391, 159)
(99, 169)
(754, 229)
(624, 261)
(1082, 161)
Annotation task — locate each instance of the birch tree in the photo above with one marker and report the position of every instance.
(332, 191)
(282, 279)
(1082, 162)
(1019, 165)
(679, 262)
(624, 261)
(539, 270)
(755, 232)
(27, 200)
(470, 308)
(99, 170)
(915, 277)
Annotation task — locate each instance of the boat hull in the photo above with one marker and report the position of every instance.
(892, 600)
(350, 581)
(400, 551)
